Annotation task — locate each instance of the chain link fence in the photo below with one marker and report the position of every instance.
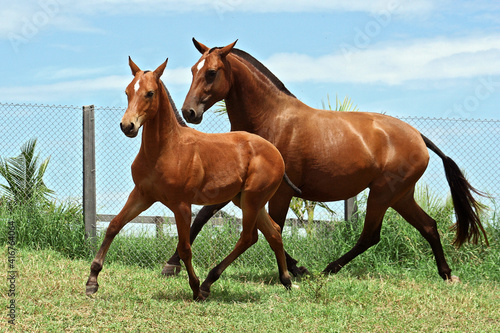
(472, 144)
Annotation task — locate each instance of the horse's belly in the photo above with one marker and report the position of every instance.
(332, 191)
(214, 193)
(332, 186)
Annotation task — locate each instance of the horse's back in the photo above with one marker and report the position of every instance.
(347, 151)
(245, 148)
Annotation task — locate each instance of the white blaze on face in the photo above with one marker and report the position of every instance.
(200, 64)
(136, 85)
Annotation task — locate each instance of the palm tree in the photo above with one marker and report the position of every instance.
(24, 176)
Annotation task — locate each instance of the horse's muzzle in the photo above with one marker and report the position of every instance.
(129, 130)
(191, 116)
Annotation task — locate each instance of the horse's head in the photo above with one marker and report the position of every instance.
(143, 98)
(211, 81)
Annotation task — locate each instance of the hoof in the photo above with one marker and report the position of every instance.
(299, 271)
(205, 294)
(91, 289)
(453, 279)
(202, 296)
(171, 270)
(332, 268)
(295, 286)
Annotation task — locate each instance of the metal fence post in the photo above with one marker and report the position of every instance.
(350, 209)
(89, 190)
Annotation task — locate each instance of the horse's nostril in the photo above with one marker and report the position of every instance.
(192, 114)
(127, 128)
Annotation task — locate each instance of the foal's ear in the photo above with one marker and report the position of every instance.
(133, 66)
(200, 47)
(226, 49)
(159, 71)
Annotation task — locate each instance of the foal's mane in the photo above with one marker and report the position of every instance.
(176, 112)
(260, 67)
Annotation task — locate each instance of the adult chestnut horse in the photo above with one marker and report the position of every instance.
(180, 166)
(329, 155)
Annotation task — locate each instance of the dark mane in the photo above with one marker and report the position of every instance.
(263, 69)
(176, 112)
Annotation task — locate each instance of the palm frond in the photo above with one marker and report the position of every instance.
(24, 176)
(345, 105)
(221, 108)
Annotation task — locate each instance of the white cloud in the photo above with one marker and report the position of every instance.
(424, 60)
(54, 91)
(255, 6)
(24, 18)
(113, 84)
(429, 59)
(54, 73)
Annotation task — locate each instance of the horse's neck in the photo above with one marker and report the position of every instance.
(253, 104)
(161, 131)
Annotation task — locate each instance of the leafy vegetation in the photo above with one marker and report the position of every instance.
(40, 221)
(24, 176)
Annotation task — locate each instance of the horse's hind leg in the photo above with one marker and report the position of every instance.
(427, 227)
(182, 213)
(272, 232)
(375, 210)
(173, 265)
(248, 237)
(135, 204)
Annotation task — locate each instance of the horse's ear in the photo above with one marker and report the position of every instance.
(200, 47)
(159, 71)
(226, 49)
(133, 66)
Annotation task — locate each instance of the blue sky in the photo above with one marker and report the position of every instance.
(400, 57)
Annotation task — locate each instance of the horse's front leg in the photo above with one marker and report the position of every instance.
(278, 208)
(135, 204)
(183, 221)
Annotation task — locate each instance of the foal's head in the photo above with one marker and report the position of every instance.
(143, 95)
(211, 81)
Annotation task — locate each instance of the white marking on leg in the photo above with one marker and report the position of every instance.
(200, 64)
(136, 85)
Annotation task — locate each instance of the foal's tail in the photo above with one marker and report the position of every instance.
(467, 209)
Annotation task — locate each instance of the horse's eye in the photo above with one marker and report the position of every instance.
(210, 75)
(150, 94)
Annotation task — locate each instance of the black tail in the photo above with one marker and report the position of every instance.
(289, 182)
(467, 209)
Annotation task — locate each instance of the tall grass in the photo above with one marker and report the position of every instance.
(401, 248)
(53, 225)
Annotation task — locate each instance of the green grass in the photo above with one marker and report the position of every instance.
(392, 287)
(50, 298)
